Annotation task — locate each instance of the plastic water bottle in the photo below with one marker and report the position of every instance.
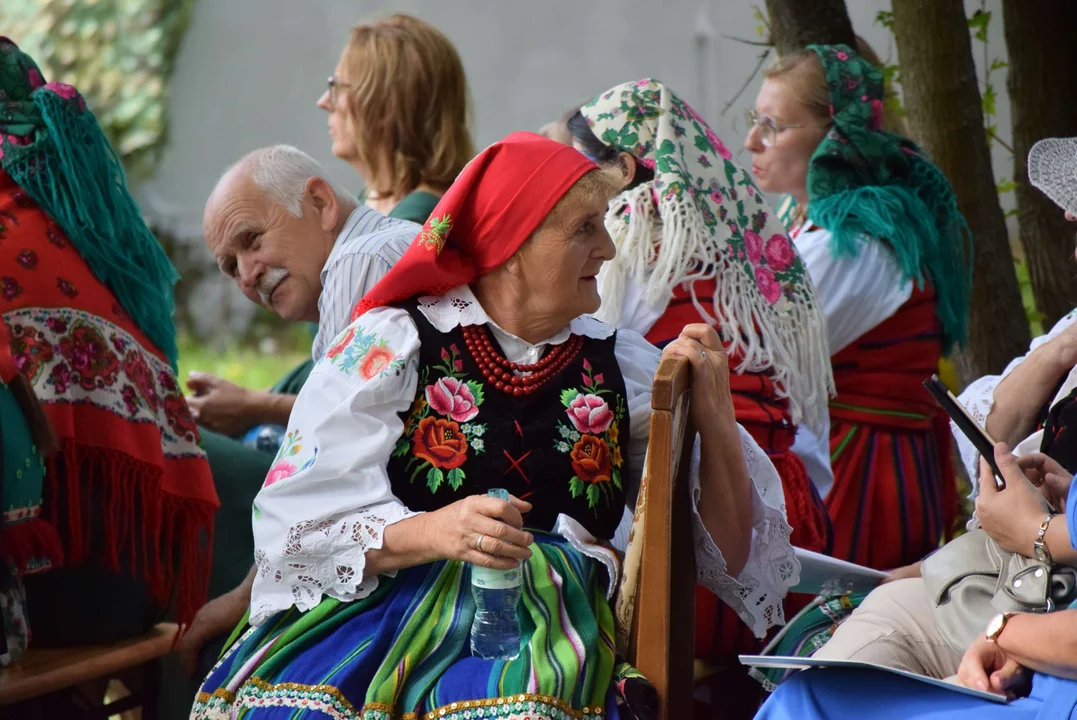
(495, 632)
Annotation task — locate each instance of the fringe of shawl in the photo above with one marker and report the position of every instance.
(664, 245)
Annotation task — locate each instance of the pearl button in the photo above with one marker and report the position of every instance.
(1039, 572)
(1017, 583)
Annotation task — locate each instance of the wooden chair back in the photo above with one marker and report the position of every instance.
(661, 643)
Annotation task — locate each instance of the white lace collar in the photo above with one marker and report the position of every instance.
(460, 308)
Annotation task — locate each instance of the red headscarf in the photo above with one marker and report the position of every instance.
(499, 199)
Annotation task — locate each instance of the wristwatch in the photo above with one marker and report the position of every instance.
(995, 627)
(1039, 546)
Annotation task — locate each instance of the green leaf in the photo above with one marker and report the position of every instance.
(1005, 185)
(592, 496)
(402, 447)
(567, 396)
(456, 478)
(1010, 213)
(979, 23)
(617, 478)
(703, 145)
(575, 486)
(434, 478)
(630, 140)
(476, 391)
(886, 19)
(989, 98)
(999, 64)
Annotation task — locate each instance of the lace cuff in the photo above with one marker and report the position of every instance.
(757, 593)
(321, 559)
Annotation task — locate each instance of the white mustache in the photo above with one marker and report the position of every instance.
(269, 282)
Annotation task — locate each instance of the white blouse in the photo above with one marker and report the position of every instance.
(857, 294)
(979, 400)
(328, 499)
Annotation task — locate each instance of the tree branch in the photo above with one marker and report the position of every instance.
(758, 66)
(757, 43)
(994, 136)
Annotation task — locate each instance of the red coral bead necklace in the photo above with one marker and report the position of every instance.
(500, 372)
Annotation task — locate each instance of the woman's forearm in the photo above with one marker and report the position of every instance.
(405, 544)
(725, 502)
(1021, 395)
(1045, 643)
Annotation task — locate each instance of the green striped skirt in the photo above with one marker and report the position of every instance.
(404, 651)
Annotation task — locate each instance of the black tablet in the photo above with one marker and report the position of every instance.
(972, 430)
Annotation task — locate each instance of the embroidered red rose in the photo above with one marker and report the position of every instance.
(88, 353)
(591, 459)
(338, 347)
(590, 414)
(753, 244)
(452, 398)
(377, 359)
(779, 252)
(440, 442)
(768, 285)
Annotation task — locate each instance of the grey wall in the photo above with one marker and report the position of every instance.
(250, 71)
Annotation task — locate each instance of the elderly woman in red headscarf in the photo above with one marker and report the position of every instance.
(473, 365)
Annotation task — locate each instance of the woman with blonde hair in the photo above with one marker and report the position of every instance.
(399, 113)
(886, 247)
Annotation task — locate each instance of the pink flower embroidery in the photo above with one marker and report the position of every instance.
(590, 414)
(770, 288)
(843, 56)
(280, 471)
(779, 252)
(718, 145)
(754, 245)
(876, 114)
(62, 89)
(647, 163)
(452, 398)
(35, 78)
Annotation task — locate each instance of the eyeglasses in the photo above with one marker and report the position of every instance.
(335, 85)
(768, 126)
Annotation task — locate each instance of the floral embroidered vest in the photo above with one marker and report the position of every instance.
(563, 448)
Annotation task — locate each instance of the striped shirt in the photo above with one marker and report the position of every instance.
(366, 248)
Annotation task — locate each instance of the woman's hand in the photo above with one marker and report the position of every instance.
(987, 667)
(1012, 516)
(902, 573)
(1050, 477)
(699, 343)
(481, 530)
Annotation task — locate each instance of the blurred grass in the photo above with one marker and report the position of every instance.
(247, 366)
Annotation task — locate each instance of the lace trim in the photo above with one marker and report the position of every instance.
(321, 559)
(587, 544)
(459, 308)
(756, 595)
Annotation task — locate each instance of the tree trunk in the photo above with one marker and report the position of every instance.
(795, 24)
(1042, 85)
(942, 98)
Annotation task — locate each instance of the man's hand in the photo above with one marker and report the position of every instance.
(217, 617)
(221, 406)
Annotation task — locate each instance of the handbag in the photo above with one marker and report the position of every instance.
(971, 579)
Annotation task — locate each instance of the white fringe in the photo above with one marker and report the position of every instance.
(662, 249)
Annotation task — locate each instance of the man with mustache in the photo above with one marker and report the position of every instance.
(298, 246)
(308, 251)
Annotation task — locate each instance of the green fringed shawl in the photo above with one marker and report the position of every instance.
(864, 182)
(52, 146)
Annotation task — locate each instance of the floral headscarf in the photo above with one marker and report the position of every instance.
(703, 218)
(52, 146)
(865, 181)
